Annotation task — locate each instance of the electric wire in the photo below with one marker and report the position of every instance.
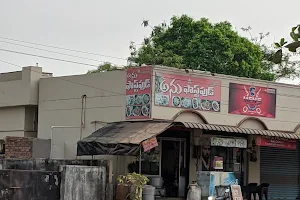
(60, 78)
(62, 48)
(65, 54)
(46, 57)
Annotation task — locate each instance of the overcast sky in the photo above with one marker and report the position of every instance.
(107, 27)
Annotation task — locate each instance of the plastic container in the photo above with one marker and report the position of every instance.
(194, 192)
(156, 181)
(148, 192)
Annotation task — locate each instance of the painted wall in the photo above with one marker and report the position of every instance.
(20, 88)
(18, 101)
(60, 104)
(18, 121)
(12, 121)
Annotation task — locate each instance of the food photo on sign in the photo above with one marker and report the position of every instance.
(252, 100)
(138, 93)
(187, 92)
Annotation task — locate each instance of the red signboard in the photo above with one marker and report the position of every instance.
(273, 142)
(187, 92)
(252, 100)
(138, 92)
(149, 144)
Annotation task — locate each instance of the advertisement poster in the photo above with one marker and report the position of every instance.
(276, 143)
(138, 93)
(149, 144)
(218, 163)
(187, 92)
(252, 100)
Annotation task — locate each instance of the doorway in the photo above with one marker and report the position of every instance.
(173, 166)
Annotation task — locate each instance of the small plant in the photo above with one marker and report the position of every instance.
(136, 182)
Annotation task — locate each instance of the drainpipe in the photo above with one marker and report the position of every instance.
(54, 127)
(82, 114)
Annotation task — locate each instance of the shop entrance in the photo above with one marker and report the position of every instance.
(167, 165)
(173, 166)
(280, 169)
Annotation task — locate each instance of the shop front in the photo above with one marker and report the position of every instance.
(160, 149)
(279, 166)
(237, 150)
(164, 151)
(183, 128)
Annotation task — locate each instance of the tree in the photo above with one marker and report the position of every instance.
(292, 47)
(202, 45)
(104, 68)
(286, 68)
(295, 44)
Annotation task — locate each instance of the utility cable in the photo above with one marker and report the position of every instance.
(61, 48)
(65, 54)
(46, 57)
(64, 79)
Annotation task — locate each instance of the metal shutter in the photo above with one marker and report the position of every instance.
(280, 168)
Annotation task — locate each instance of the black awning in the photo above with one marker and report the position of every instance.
(120, 138)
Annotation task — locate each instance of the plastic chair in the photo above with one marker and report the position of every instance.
(263, 190)
(252, 190)
(222, 192)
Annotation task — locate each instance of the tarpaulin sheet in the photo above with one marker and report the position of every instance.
(120, 138)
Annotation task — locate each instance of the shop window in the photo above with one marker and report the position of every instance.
(151, 161)
(231, 157)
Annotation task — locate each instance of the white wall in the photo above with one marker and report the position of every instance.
(18, 100)
(16, 90)
(60, 105)
(12, 121)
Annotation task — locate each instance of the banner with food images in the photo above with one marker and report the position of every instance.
(138, 93)
(187, 92)
(252, 100)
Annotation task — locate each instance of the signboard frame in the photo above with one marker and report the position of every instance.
(138, 93)
(252, 100)
(187, 92)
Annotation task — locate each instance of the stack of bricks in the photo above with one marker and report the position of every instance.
(18, 147)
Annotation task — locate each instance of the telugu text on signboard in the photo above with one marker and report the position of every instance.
(187, 92)
(138, 92)
(276, 143)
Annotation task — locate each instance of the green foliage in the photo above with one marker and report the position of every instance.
(104, 68)
(292, 46)
(137, 181)
(276, 62)
(201, 45)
